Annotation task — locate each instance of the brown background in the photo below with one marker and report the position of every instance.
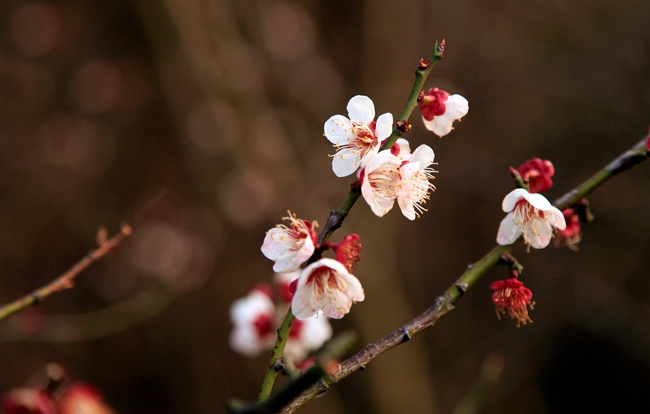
(221, 105)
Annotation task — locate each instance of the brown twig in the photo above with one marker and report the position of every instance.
(66, 280)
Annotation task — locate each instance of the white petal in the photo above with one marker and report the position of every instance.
(315, 332)
(404, 201)
(384, 126)
(512, 198)
(457, 107)
(383, 157)
(245, 310)
(338, 130)
(245, 341)
(439, 125)
(556, 218)
(539, 233)
(423, 154)
(361, 109)
(509, 232)
(344, 166)
(271, 247)
(337, 306)
(355, 290)
(538, 201)
(369, 155)
(379, 204)
(404, 149)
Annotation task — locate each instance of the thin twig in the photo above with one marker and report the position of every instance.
(445, 303)
(66, 280)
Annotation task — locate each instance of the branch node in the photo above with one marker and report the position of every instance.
(403, 126)
(36, 298)
(362, 367)
(277, 366)
(406, 337)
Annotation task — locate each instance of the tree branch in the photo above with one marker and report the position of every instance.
(66, 280)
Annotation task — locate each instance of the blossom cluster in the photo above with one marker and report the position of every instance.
(315, 287)
(394, 173)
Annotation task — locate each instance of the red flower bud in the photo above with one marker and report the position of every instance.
(537, 174)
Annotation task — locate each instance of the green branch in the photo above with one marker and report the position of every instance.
(445, 303)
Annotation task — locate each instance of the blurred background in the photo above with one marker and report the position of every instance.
(219, 105)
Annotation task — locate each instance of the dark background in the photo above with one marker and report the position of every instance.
(220, 104)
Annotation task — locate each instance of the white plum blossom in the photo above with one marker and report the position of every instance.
(530, 215)
(290, 246)
(416, 182)
(253, 318)
(358, 138)
(306, 336)
(380, 182)
(440, 110)
(398, 174)
(326, 286)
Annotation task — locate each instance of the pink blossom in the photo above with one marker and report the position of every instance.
(416, 182)
(530, 215)
(381, 181)
(290, 246)
(326, 286)
(537, 174)
(440, 110)
(358, 138)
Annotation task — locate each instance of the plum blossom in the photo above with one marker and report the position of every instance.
(306, 336)
(326, 286)
(253, 318)
(537, 173)
(380, 182)
(290, 246)
(398, 174)
(358, 138)
(511, 298)
(530, 215)
(416, 182)
(440, 110)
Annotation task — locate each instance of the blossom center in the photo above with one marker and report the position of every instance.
(263, 325)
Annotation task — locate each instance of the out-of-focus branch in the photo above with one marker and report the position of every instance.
(97, 324)
(445, 303)
(66, 280)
